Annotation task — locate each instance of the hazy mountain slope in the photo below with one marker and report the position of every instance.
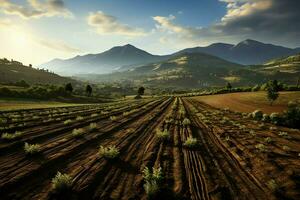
(187, 70)
(246, 52)
(115, 58)
(13, 71)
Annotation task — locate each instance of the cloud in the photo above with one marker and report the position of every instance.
(5, 23)
(267, 20)
(58, 45)
(36, 8)
(107, 24)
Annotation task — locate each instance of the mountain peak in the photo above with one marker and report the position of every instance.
(249, 42)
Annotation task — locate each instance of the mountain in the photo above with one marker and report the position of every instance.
(186, 70)
(14, 71)
(247, 52)
(116, 58)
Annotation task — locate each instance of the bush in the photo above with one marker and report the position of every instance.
(266, 118)
(153, 180)
(186, 122)
(61, 182)
(190, 142)
(109, 152)
(78, 132)
(11, 136)
(292, 115)
(275, 118)
(257, 115)
(32, 148)
(163, 135)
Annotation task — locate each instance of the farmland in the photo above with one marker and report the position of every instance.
(202, 152)
(250, 101)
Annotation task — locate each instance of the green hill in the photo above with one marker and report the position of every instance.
(188, 70)
(14, 71)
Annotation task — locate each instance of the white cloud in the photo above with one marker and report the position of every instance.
(58, 45)
(107, 24)
(36, 9)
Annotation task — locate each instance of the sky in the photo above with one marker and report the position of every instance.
(36, 31)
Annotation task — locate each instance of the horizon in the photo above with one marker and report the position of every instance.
(35, 32)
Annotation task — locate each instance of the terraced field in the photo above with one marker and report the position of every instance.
(232, 157)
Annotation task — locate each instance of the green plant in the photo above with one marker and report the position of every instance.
(79, 118)
(261, 147)
(78, 132)
(284, 134)
(186, 122)
(257, 115)
(68, 121)
(272, 185)
(109, 152)
(266, 118)
(11, 136)
(113, 118)
(275, 118)
(94, 115)
(93, 126)
(268, 140)
(190, 142)
(61, 182)
(32, 148)
(163, 135)
(153, 180)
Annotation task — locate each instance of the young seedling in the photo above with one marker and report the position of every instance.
(186, 122)
(61, 182)
(31, 149)
(163, 135)
(68, 122)
(110, 152)
(78, 132)
(190, 142)
(11, 136)
(153, 180)
(93, 126)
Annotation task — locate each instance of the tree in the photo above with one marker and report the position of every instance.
(141, 91)
(89, 90)
(272, 91)
(228, 86)
(69, 88)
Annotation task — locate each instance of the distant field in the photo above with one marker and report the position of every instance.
(15, 104)
(249, 101)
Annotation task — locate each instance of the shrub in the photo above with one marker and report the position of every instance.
(190, 142)
(292, 115)
(163, 135)
(186, 122)
(32, 148)
(275, 118)
(93, 126)
(109, 152)
(68, 121)
(11, 136)
(78, 132)
(266, 118)
(153, 180)
(61, 182)
(257, 114)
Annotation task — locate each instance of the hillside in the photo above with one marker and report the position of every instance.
(13, 71)
(246, 52)
(188, 70)
(120, 57)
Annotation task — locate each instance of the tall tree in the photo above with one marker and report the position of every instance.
(272, 91)
(141, 91)
(89, 90)
(69, 88)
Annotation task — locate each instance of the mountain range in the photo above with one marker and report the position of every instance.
(122, 58)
